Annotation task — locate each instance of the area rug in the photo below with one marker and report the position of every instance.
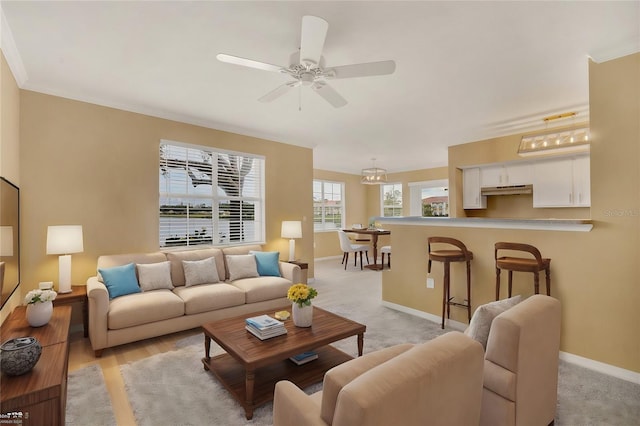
(88, 401)
(173, 388)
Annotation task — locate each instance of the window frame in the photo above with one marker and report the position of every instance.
(324, 224)
(249, 231)
(382, 199)
(415, 194)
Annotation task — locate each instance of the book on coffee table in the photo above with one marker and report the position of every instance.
(266, 333)
(264, 322)
(304, 357)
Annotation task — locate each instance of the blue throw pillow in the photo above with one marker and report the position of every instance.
(267, 263)
(120, 280)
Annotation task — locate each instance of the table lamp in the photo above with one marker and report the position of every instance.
(291, 229)
(64, 240)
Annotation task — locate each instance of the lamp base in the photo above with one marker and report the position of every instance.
(292, 250)
(64, 274)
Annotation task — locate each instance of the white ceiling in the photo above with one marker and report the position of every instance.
(465, 70)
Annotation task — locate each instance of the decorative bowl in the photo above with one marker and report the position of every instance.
(18, 356)
(282, 315)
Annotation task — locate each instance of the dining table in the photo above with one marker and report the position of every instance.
(375, 233)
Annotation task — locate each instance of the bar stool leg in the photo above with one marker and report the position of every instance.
(497, 283)
(445, 292)
(548, 279)
(469, 290)
(536, 282)
(510, 281)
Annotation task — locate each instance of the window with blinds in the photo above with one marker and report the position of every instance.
(328, 205)
(209, 196)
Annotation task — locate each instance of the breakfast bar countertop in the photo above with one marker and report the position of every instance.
(573, 225)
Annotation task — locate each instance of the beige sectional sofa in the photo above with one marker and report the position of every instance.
(158, 311)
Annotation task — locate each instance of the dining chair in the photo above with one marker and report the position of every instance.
(386, 250)
(348, 247)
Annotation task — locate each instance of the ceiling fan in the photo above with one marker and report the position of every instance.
(307, 66)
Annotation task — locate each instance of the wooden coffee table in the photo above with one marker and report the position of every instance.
(251, 367)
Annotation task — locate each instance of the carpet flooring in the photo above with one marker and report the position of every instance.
(88, 401)
(172, 388)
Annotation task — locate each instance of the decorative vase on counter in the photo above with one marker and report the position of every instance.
(19, 356)
(39, 314)
(302, 315)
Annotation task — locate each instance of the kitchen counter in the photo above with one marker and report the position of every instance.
(571, 225)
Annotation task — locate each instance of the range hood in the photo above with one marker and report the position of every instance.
(507, 190)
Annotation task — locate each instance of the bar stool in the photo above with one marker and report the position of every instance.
(448, 256)
(386, 250)
(522, 265)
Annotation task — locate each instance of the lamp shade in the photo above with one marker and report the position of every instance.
(64, 239)
(6, 241)
(291, 229)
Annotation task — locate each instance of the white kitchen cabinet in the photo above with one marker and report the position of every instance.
(471, 198)
(562, 182)
(506, 174)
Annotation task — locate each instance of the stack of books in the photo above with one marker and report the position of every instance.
(265, 327)
(304, 357)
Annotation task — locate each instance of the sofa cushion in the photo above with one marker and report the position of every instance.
(154, 276)
(143, 308)
(339, 376)
(482, 318)
(111, 260)
(234, 251)
(263, 288)
(209, 297)
(120, 280)
(198, 272)
(176, 258)
(268, 263)
(241, 266)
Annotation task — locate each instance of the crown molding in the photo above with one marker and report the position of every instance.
(10, 51)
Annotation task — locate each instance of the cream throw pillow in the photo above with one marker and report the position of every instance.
(200, 272)
(482, 318)
(241, 266)
(154, 276)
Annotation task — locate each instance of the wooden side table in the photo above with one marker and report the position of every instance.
(304, 266)
(78, 295)
(38, 397)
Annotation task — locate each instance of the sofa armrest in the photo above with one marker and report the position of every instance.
(291, 272)
(98, 313)
(293, 407)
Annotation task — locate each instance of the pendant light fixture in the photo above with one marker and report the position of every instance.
(374, 175)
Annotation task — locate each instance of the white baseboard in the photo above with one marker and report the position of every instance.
(600, 367)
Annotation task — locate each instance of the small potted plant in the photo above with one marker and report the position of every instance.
(302, 311)
(39, 306)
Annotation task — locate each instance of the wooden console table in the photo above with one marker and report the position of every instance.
(38, 397)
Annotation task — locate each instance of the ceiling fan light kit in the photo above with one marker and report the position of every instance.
(307, 66)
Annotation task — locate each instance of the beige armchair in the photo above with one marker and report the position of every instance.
(521, 365)
(434, 383)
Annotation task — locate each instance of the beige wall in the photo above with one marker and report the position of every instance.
(9, 147)
(594, 274)
(98, 167)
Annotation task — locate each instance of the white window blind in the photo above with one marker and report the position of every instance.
(328, 205)
(209, 196)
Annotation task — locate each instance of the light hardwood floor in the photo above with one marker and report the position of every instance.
(81, 355)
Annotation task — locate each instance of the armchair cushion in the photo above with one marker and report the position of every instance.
(482, 318)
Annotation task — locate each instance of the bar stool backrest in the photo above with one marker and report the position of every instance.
(519, 247)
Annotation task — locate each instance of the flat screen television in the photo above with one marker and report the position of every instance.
(9, 239)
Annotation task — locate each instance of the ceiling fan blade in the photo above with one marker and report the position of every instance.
(362, 70)
(236, 60)
(329, 94)
(314, 31)
(279, 91)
